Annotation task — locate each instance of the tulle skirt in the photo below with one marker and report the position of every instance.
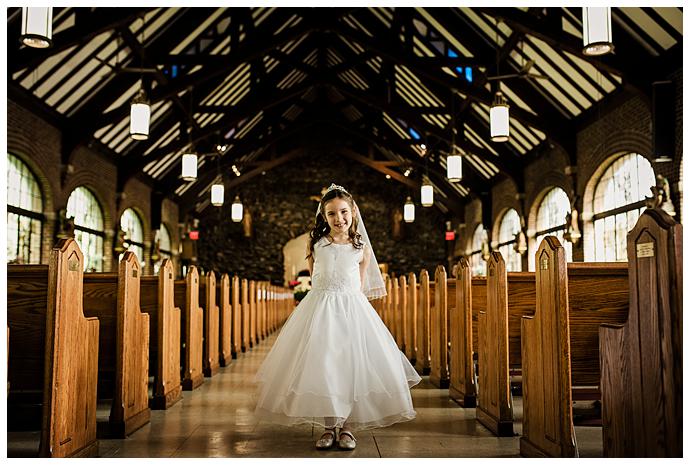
(334, 360)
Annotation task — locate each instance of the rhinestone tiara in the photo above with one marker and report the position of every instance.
(334, 186)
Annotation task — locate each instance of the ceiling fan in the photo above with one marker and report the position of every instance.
(524, 73)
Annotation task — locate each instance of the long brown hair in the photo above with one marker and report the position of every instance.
(321, 227)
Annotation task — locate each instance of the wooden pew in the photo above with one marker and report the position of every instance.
(225, 306)
(423, 365)
(158, 300)
(403, 306)
(387, 302)
(438, 323)
(642, 404)
(560, 344)
(207, 302)
(191, 350)
(395, 311)
(123, 346)
(53, 353)
(463, 334)
(236, 340)
(495, 405)
(411, 319)
(253, 339)
(246, 312)
(262, 298)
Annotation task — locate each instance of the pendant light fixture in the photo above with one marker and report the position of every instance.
(189, 159)
(139, 116)
(454, 159)
(408, 210)
(189, 164)
(499, 115)
(427, 194)
(596, 30)
(218, 188)
(37, 27)
(140, 110)
(237, 211)
(500, 118)
(217, 195)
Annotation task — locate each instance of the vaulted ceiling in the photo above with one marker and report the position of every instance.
(252, 88)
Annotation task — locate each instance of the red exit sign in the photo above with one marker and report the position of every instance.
(194, 235)
(450, 235)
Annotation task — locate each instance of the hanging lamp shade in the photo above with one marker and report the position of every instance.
(237, 211)
(139, 116)
(500, 119)
(37, 27)
(217, 194)
(408, 210)
(454, 167)
(189, 166)
(596, 30)
(427, 195)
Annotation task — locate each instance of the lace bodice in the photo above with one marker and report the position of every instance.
(336, 267)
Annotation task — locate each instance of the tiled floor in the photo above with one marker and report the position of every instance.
(215, 421)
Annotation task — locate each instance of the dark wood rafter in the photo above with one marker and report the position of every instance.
(138, 49)
(94, 116)
(189, 199)
(244, 54)
(390, 50)
(247, 107)
(507, 161)
(392, 142)
(88, 24)
(622, 63)
(449, 19)
(260, 137)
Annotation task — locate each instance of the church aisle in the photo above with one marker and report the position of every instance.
(215, 421)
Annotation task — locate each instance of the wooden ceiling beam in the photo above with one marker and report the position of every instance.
(88, 24)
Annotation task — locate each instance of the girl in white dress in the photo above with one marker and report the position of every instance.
(334, 363)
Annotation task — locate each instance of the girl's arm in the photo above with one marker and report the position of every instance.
(364, 264)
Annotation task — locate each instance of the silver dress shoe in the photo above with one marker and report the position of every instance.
(327, 439)
(346, 441)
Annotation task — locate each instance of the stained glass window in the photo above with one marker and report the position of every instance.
(88, 226)
(619, 200)
(24, 213)
(509, 227)
(164, 247)
(476, 260)
(551, 219)
(134, 233)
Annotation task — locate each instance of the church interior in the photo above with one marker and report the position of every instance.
(520, 170)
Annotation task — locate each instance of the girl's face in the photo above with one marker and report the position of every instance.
(338, 215)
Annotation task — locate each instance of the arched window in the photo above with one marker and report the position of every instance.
(88, 226)
(134, 232)
(509, 227)
(476, 260)
(619, 199)
(164, 247)
(24, 213)
(551, 219)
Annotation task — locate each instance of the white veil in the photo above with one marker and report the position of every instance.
(373, 286)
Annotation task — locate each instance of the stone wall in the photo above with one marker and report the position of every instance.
(283, 202)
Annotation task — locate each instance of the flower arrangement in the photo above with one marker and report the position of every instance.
(301, 289)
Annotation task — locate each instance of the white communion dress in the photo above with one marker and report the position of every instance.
(334, 359)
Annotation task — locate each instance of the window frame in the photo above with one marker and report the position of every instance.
(88, 230)
(31, 214)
